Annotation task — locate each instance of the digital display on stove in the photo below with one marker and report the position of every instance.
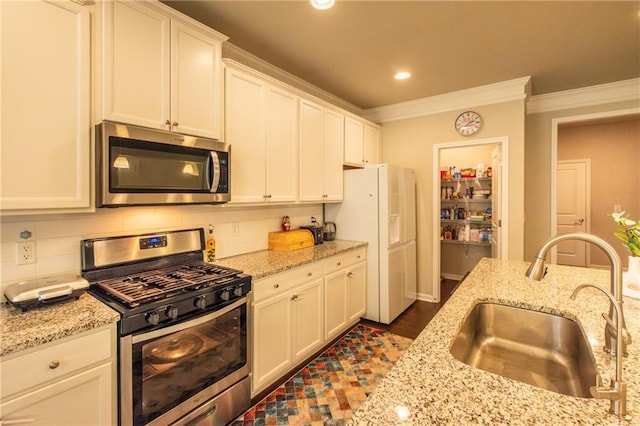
(153, 242)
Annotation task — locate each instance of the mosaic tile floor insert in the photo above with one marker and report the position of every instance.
(331, 387)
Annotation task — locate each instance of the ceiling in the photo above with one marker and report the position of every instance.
(354, 49)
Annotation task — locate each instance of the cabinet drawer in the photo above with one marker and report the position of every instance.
(285, 281)
(343, 260)
(55, 361)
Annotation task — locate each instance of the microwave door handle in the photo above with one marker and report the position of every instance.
(213, 170)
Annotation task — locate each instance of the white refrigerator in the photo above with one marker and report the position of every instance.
(379, 207)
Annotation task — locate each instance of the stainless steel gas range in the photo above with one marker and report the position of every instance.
(183, 336)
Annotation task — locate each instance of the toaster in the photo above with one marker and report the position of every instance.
(316, 231)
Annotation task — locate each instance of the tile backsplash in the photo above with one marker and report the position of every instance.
(57, 237)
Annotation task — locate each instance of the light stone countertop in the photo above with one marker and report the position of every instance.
(23, 330)
(260, 264)
(437, 389)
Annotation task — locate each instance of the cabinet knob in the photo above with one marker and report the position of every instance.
(54, 364)
(175, 124)
(167, 122)
(349, 274)
(276, 285)
(338, 263)
(309, 274)
(294, 297)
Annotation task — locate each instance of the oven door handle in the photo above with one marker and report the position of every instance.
(192, 323)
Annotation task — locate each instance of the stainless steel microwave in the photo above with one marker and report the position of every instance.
(140, 166)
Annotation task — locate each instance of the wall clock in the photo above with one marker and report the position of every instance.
(468, 123)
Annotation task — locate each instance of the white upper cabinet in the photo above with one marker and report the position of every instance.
(361, 143)
(371, 145)
(160, 70)
(321, 147)
(353, 142)
(45, 106)
(261, 122)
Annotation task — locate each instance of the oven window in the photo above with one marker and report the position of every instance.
(170, 369)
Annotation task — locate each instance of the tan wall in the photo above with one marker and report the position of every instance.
(614, 151)
(538, 170)
(410, 143)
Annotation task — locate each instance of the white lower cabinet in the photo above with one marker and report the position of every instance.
(287, 322)
(71, 382)
(298, 311)
(345, 291)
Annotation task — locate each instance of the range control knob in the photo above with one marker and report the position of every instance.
(225, 295)
(238, 291)
(171, 312)
(152, 317)
(200, 302)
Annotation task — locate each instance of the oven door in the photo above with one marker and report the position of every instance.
(169, 372)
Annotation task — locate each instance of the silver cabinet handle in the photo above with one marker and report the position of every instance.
(579, 221)
(54, 364)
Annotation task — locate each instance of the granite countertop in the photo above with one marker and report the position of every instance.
(262, 263)
(23, 330)
(438, 389)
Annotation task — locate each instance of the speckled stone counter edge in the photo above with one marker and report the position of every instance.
(433, 387)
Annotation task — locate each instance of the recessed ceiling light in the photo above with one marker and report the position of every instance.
(402, 75)
(322, 4)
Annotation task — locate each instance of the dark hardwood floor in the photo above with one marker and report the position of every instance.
(412, 321)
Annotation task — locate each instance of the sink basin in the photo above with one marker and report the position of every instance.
(541, 349)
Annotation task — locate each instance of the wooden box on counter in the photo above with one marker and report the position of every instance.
(290, 240)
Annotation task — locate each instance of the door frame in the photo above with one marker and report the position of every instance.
(503, 141)
(555, 124)
(587, 213)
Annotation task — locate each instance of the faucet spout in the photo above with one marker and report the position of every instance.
(617, 389)
(537, 271)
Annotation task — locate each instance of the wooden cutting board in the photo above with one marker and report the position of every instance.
(290, 240)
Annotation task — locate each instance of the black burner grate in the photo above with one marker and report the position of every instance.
(146, 286)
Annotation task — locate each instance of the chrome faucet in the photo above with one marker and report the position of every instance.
(537, 271)
(617, 389)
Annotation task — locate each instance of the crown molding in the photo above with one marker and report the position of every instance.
(510, 90)
(619, 91)
(231, 51)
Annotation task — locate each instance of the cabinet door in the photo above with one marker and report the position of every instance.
(332, 158)
(245, 131)
(353, 142)
(82, 399)
(335, 305)
(45, 121)
(371, 145)
(136, 64)
(195, 82)
(356, 287)
(271, 340)
(307, 319)
(311, 141)
(281, 145)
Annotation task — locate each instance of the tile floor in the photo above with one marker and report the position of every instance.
(331, 387)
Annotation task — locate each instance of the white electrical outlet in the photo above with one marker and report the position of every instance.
(25, 252)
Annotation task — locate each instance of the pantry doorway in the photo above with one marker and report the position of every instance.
(468, 213)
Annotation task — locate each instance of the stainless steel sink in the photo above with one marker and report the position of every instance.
(541, 349)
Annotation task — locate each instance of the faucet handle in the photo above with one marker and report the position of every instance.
(626, 337)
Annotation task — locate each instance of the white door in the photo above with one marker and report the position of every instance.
(571, 212)
(496, 200)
